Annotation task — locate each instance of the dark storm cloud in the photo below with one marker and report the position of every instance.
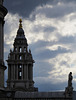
(23, 7)
(57, 11)
(67, 1)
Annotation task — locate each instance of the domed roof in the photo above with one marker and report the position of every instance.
(20, 31)
(20, 37)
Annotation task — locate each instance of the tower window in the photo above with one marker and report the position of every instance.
(24, 49)
(20, 57)
(20, 49)
(15, 57)
(20, 66)
(19, 75)
(15, 49)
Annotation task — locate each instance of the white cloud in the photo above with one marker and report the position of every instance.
(11, 26)
(63, 64)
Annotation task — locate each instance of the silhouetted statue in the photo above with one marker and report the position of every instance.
(29, 51)
(69, 88)
(70, 78)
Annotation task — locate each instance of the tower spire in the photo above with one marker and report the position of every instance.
(20, 25)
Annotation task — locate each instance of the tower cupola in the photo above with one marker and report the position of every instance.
(20, 64)
(20, 39)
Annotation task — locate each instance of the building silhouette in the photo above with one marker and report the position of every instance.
(20, 84)
(20, 64)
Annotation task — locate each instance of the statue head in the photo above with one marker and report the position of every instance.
(70, 73)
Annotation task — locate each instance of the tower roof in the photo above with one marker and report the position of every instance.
(20, 32)
(20, 37)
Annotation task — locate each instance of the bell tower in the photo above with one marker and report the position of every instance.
(20, 64)
(3, 12)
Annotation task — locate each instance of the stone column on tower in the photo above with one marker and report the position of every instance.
(3, 12)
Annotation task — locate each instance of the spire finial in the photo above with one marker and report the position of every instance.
(20, 25)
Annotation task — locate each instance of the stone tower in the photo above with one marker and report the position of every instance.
(20, 64)
(3, 12)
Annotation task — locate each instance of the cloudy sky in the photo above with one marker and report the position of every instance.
(50, 28)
